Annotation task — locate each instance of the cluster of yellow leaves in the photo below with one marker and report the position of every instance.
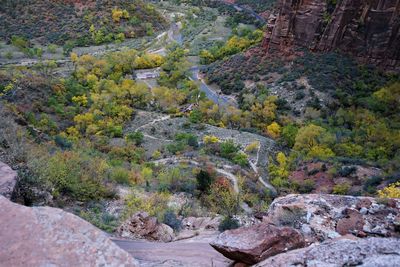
(117, 14)
(80, 100)
(148, 61)
(312, 141)
(253, 147)
(112, 66)
(260, 115)
(391, 191)
(154, 205)
(274, 130)
(265, 112)
(169, 99)
(234, 45)
(210, 139)
(279, 172)
(7, 88)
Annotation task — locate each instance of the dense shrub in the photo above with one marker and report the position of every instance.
(136, 137)
(228, 223)
(204, 181)
(306, 187)
(172, 220)
(97, 215)
(76, 175)
(347, 171)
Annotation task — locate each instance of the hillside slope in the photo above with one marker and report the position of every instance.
(55, 21)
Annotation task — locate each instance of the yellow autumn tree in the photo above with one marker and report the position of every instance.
(279, 172)
(391, 191)
(313, 142)
(274, 130)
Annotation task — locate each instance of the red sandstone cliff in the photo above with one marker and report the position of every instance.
(366, 29)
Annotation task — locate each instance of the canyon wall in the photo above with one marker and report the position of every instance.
(367, 29)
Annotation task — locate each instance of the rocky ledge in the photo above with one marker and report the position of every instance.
(254, 244)
(297, 221)
(142, 226)
(368, 252)
(43, 236)
(8, 180)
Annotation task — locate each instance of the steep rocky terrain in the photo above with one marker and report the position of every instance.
(369, 30)
(333, 225)
(342, 252)
(297, 230)
(54, 21)
(233, 160)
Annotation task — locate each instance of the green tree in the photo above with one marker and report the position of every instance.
(204, 180)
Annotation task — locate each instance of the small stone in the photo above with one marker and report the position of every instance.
(333, 234)
(363, 211)
(364, 203)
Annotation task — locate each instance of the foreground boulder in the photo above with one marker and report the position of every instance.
(142, 226)
(372, 252)
(320, 217)
(258, 242)
(8, 180)
(43, 236)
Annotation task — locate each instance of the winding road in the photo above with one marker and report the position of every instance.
(210, 93)
(251, 11)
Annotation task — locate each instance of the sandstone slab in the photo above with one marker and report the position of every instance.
(369, 252)
(258, 242)
(44, 236)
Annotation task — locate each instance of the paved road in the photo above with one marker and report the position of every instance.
(251, 11)
(190, 254)
(210, 93)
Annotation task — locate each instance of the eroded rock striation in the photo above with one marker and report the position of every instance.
(368, 30)
(44, 236)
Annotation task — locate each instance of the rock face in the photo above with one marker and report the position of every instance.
(371, 252)
(256, 243)
(8, 180)
(143, 226)
(295, 221)
(320, 217)
(43, 236)
(368, 30)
